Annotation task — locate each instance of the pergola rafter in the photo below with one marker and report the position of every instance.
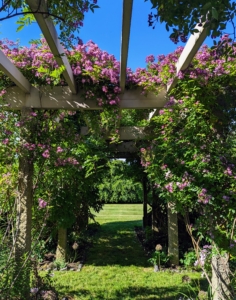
(126, 23)
(50, 34)
(192, 46)
(14, 74)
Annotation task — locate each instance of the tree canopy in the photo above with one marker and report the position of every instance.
(121, 183)
(68, 15)
(183, 16)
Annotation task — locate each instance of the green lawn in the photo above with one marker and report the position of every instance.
(116, 267)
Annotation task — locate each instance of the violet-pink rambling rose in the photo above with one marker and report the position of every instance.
(59, 150)
(228, 171)
(46, 154)
(169, 187)
(2, 93)
(42, 203)
(105, 89)
(117, 89)
(226, 198)
(150, 59)
(5, 141)
(161, 57)
(34, 290)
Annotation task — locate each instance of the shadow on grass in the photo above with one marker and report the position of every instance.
(116, 244)
(138, 293)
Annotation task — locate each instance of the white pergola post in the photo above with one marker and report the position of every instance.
(24, 206)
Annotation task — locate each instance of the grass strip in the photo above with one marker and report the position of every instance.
(117, 268)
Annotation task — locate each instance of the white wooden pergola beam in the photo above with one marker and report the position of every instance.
(50, 34)
(192, 46)
(124, 148)
(62, 98)
(126, 133)
(126, 22)
(13, 73)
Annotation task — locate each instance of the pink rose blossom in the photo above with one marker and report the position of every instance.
(42, 203)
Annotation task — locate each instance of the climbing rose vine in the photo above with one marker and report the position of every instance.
(191, 158)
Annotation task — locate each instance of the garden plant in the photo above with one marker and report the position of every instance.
(188, 156)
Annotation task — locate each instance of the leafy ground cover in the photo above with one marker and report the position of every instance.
(117, 268)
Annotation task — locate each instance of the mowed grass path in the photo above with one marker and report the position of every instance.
(116, 266)
(116, 242)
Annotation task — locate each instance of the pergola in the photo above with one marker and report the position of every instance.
(69, 97)
(24, 97)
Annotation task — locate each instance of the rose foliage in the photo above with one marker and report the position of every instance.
(191, 155)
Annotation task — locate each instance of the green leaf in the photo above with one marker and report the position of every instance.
(154, 3)
(19, 28)
(20, 22)
(214, 13)
(41, 69)
(207, 6)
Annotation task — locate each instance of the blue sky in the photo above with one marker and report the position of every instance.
(104, 28)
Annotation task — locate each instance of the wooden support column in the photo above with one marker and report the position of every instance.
(24, 206)
(221, 288)
(85, 215)
(61, 244)
(145, 202)
(173, 238)
(155, 200)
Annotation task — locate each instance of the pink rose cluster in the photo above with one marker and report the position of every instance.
(42, 203)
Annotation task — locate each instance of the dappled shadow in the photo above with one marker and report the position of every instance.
(136, 292)
(121, 225)
(116, 244)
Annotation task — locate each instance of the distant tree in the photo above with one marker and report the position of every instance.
(120, 184)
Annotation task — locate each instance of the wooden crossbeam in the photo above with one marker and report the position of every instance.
(50, 34)
(15, 75)
(126, 133)
(126, 149)
(61, 98)
(126, 22)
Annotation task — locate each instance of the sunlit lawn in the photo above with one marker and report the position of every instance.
(116, 266)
